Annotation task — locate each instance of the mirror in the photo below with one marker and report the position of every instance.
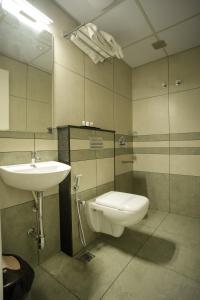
(27, 55)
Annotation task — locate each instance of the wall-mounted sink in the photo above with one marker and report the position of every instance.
(35, 177)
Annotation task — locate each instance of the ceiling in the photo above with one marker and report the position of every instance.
(24, 44)
(136, 24)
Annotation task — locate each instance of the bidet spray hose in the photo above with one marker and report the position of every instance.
(77, 180)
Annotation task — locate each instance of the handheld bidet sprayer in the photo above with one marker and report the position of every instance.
(77, 180)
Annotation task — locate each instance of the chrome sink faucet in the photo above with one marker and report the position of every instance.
(34, 157)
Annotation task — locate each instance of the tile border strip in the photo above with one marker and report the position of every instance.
(168, 150)
(167, 137)
(29, 135)
(88, 154)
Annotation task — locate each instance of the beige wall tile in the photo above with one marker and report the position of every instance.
(10, 145)
(17, 75)
(185, 66)
(152, 163)
(151, 144)
(76, 144)
(102, 73)
(39, 85)
(88, 170)
(150, 116)
(98, 105)
(11, 196)
(185, 164)
(38, 116)
(46, 144)
(68, 55)
(68, 97)
(184, 111)
(120, 166)
(127, 145)
(105, 170)
(123, 115)
(16, 222)
(17, 113)
(52, 191)
(122, 78)
(147, 80)
(195, 143)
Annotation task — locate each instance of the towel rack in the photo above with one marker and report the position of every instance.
(68, 34)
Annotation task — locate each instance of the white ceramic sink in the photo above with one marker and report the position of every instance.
(37, 177)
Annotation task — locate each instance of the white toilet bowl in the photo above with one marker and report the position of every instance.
(110, 213)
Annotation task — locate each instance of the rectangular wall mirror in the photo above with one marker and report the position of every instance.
(27, 55)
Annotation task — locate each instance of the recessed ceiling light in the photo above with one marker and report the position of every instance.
(27, 13)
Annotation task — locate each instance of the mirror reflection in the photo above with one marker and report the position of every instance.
(27, 55)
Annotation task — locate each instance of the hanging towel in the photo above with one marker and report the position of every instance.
(95, 57)
(98, 45)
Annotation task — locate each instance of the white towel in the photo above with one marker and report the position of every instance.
(98, 45)
(93, 55)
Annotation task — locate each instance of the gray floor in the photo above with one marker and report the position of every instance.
(158, 259)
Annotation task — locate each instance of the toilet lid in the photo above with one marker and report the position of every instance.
(122, 201)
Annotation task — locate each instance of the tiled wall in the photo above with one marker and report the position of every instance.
(16, 205)
(82, 91)
(100, 93)
(30, 96)
(166, 125)
(96, 167)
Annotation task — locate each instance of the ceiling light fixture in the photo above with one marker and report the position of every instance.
(159, 44)
(27, 13)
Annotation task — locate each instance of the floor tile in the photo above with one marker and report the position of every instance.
(131, 240)
(45, 287)
(143, 280)
(174, 252)
(180, 225)
(153, 219)
(89, 280)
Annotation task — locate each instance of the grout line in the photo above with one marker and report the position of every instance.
(165, 267)
(170, 93)
(169, 129)
(119, 274)
(180, 22)
(92, 80)
(146, 98)
(149, 23)
(55, 278)
(135, 255)
(155, 33)
(138, 41)
(84, 89)
(34, 144)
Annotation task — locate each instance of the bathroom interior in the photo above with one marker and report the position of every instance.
(100, 149)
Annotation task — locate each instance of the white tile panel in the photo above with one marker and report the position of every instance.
(165, 13)
(125, 22)
(183, 36)
(80, 10)
(142, 52)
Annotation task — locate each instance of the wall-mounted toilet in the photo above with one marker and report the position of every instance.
(111, 212)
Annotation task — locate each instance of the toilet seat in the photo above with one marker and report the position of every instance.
(122, 201)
